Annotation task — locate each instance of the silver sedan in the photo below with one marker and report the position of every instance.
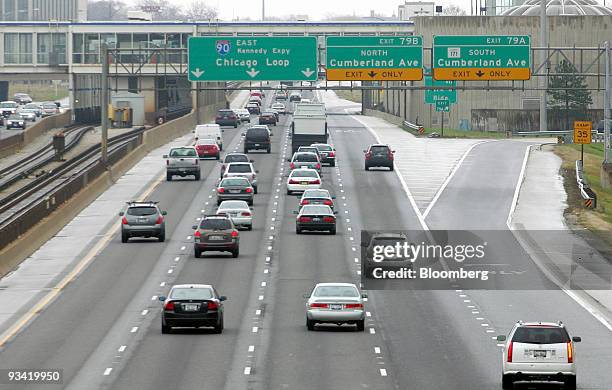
(238, 211)
(335, 303)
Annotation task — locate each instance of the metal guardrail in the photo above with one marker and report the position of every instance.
(596, 136)
(588, 195)
(413, 128)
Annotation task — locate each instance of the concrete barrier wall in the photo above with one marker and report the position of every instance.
(45, 124)
(396, 120)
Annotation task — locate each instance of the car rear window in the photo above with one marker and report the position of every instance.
(183, 153)
(8, 105)
(324, 147)
(191, 293)
(540, 335)
(254, 132)
(215, 224)
(233, 204)
(141, 211)
(239, 168)
(316, 194)
(225, 112)
(379, 149)
(336, 291)
(303, 173)
(206, 141)
(305, 157)
(234, 182)
(316, 209)
(229, 158)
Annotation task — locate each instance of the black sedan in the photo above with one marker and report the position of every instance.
(315, 218)
(235, 188)
(192, 306)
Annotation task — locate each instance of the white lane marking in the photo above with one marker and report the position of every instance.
(479, 318)
(261, 297)
(267, 259)
(170, 271)
(484, 325)
(266, 271)
(462, 295)
(383, 372)
(144, 312)
(263, 284)
(368, 314)
(122, 348)
(372, 331)
(251, 348)
(517, 188)
(450, 177)
(255, 329)
(134, 329)
(257, 312)
(356, 260)
(271, 237)
(154, 297)
(182, 248)
(189, 237)
(500, 345)
(466, 301)
(269, 248)
(376, 350)
(247, 371)
(490, 331)
(177, 258)
(108, 371)
(351, 238)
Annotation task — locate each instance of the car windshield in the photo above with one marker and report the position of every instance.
(236, 158)
(183, 153)
(303, 173)
(233, 205)
(234, 182)
(239, 168)
(8, 105)
(191, 293)
(540, 335)
(141, 211)
(379, 149)
(336, 291)
(325, 148)
(215, 224)
(305, 157)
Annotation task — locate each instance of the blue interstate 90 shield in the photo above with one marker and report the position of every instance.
(223, 47)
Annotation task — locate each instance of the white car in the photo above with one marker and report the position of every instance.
(539, 351)
(303, 179)
(242, 169)
(280, 107)
(335, 303)
(238, 211)
(243, 114)
(28, 115)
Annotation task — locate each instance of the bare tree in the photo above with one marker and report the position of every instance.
(165, 11)
(199, 10)
(453, 10)
(106, 10)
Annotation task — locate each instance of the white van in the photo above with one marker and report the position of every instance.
(210, 131)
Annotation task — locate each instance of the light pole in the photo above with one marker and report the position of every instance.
(543, 79)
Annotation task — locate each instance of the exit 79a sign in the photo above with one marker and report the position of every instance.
(481, 57)
(252, 58)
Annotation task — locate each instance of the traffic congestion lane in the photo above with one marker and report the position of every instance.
(75, 323)
(501, 309)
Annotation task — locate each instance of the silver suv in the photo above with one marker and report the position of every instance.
(142, 219)
(539, 351)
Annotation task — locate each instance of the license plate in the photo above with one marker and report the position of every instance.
(256, 144)
(234, 191)
(316, 219)
(182, 169)
(335, 306)
(191, 307)
(539, 354)
(215, 238)
(304, 183)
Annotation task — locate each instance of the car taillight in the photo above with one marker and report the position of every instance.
(220, 190)
(212, 305)
(368, 155)
(245, 214)
(292, 166)
(124, 221)
(353, 306)
(305, 219)
(510, 352)
(232, 116)
(331, 154)
(219, 117)
(291, 181)
(167, 162)
(305, 201)
(249, 190)
(570, 352)
(390, 155)
(160, 219)
(234, 233)
(319, 305)
(328, 219)
(169, 306)
(328, 202)
(197, 234)
(316, 181)
(318, 166)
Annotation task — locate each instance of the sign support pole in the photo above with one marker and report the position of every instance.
(607, 103)
(104, 106)
(442, 112)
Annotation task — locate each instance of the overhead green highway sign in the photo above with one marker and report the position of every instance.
(481, 57)
(380, 58)
(252, 58)
(434, 95)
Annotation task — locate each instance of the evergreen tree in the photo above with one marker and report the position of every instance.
(572, 95)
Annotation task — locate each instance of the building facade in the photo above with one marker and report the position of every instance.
(43, 10)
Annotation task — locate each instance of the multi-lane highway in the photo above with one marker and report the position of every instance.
(103, 329)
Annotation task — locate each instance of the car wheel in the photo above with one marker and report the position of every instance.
(360, 325)
(219, 327)
(298, 230)
(507, 382)
(246, 150)
(391, 167)
(162, 236)
(124, 237)
(250, 202)
(197, 253)
(570, 382)
(168, 177)
(254, 189)
(269, 150)
(219, 202)
(310, 324)
(250, 227)
(166, 329)
(218, 156)
(332, 164)
(289, 192)
(235, 252)
(197, 176)
(332, 231)
(235, 125)
(367, 168)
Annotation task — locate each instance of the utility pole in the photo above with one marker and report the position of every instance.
(607, 108)
(543, 79)
(104, 105)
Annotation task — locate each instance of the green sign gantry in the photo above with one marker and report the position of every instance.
(434, 95)
(252, 58)
(481, 57)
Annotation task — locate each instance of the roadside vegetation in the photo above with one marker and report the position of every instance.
(454, 133)
(353, 96)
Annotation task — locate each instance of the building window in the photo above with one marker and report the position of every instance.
(51, 48)
(22, 10)
(18, 48)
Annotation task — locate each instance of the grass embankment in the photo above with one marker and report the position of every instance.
(38, 92)
(599, 219)
(353, 96)
(452, 133)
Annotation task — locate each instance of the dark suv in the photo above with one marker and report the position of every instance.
(227, 118)
(257, 138)
(142, 219)
(216, 233)
(379, 156)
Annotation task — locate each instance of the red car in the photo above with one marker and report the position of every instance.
(207, 148)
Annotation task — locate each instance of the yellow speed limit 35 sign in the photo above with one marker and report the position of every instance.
(582, 132)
